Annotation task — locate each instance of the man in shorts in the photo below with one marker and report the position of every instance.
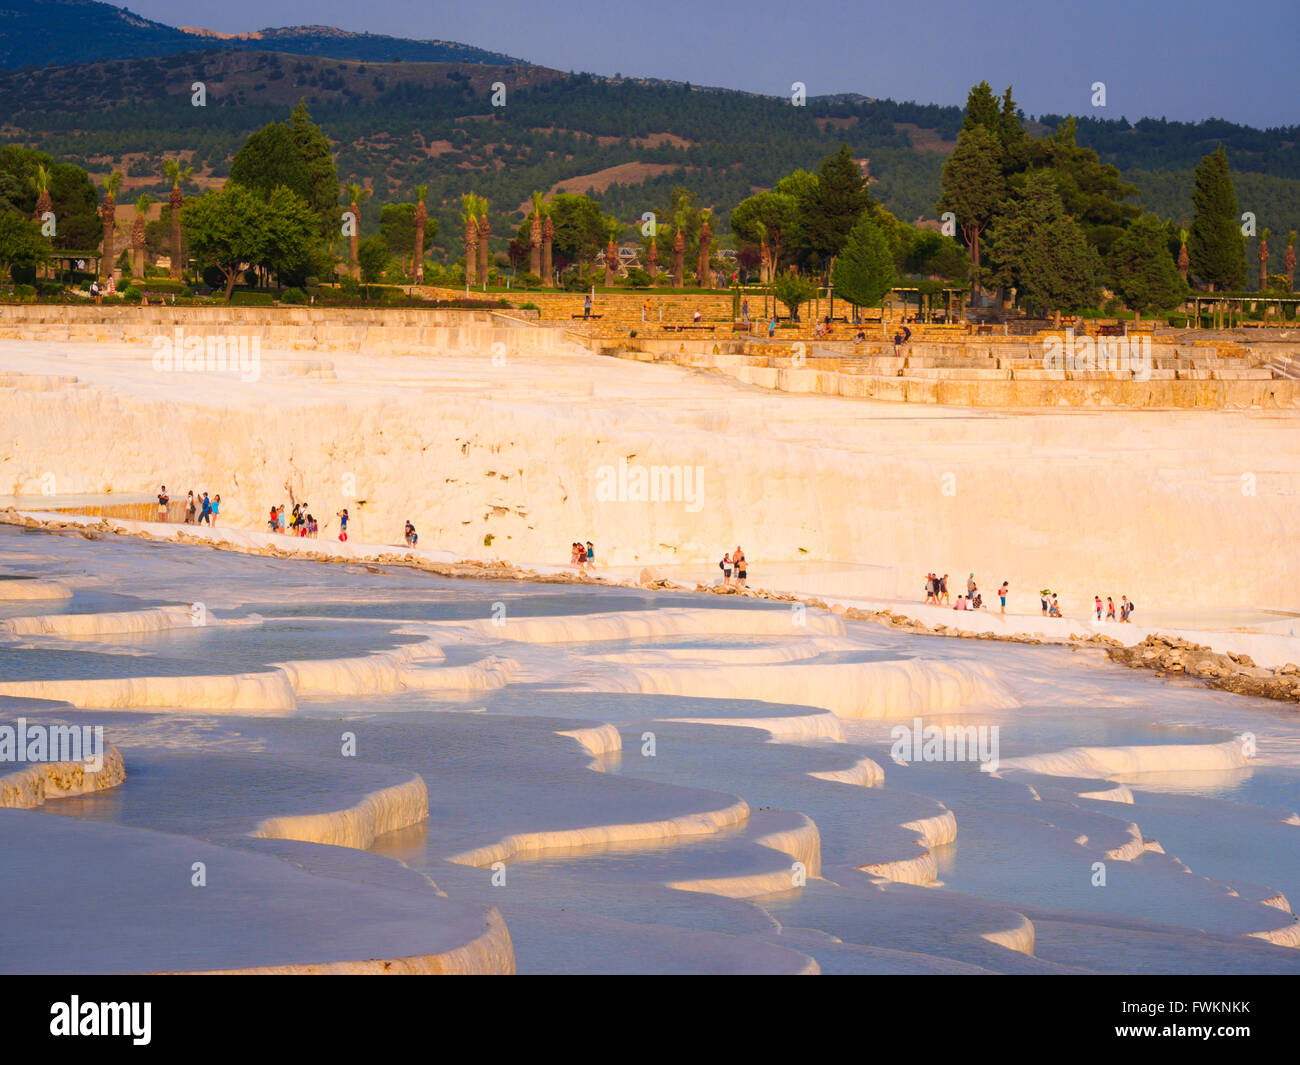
(163, 500)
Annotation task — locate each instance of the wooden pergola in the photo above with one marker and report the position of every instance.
(1226, 305)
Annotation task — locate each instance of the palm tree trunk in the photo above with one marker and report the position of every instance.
(108, 214)
(484, 232)
(175, 201)
(471, 251)
(421, 218)
(354, 242)
(548, 242)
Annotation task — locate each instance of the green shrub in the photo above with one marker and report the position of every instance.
(293, 295)
(530, 307)
(248, 298)
(187, 292)
(130, 293)
(529, 281)
(25, 292)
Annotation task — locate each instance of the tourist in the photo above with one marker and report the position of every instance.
(1096, 599)
(1043, 593)
(412, 537)
(273, 523)
(931, 589)
(1125, 608)
(744, 312)
(970, 585)
(342, 515)
(163, 500)
(725, 566)
(862, 335)
(95, 293)
(943, 590)
(206, 515)
(312, 527)
(586, 305)
(961, 603)
(771, 328)
(216, 509)
(591, 557)
(1110, 609)
(696, 316)
(1002, 595)
(898, 339)
(190, 509)
(907, 335)
(738, 561)
(1055, 611)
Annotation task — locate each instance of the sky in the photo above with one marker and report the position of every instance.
(1180, 59)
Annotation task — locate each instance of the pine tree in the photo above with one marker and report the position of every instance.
(835, 205)
(864, 271)
(1142, 270)
(1216, 247)
(973, 187)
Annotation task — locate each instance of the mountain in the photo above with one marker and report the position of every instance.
(44, 32)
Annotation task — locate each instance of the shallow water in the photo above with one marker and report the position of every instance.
(497, 764)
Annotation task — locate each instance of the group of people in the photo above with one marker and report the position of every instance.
(301, 521)
(936, 593)
(583, 556)
(901, 337)
(198, 511)
(734, 567)
(412, 537)
(1126, 608)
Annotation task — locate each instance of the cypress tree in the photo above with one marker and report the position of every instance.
(1216, 247)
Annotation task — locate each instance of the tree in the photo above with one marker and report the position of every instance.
(1183, 258)
(535, 236)
(864, 272)
(1263, 259)
(1217, 248)
(469, 215)
(316, 153)
(835, 204)
(374, 257)
(1288, 262)
(1042, 251)
(421, 228)
(580, 227)
(270, 158)
(793, 291)
(355, 195)
(1142, 271)
(548, 245)
(484, 238)
(706, 241)
(237, 228)
(108, 217)
(76, 207)
(1093, 193)
(176, 200)
(22, 248)
(142, 204)
(973, 189)
(766, 219)
(397, 227)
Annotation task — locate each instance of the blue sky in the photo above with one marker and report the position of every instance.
(1188, 60)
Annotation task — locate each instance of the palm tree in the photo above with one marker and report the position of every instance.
(1289, 261)
(421, 220)
(175, 200)
(1183, 260)
(356, 196)
(1263, 259)
(611, 255)
(706, 239)
(108, 216)
(469, 215)
(142, 205)
(679, 251)
(43, 201)
(548, 243)
(652, 260)
(484, 232)
(44, 204)
(535, 237)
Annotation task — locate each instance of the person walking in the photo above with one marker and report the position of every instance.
(1110, 609)
(944, 598)
(591, 557)
(930, 589)
(1097, 603)
(163, 500)
(216, 509)
(1002, 595)
(205, 516)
